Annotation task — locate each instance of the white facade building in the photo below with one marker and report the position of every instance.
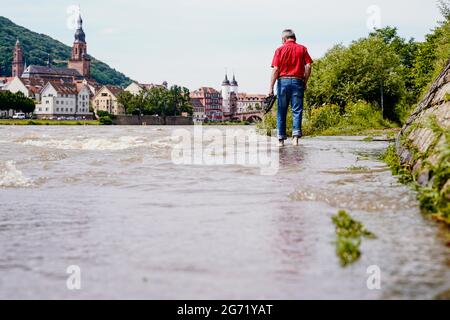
(136, 88)
(63, 100)
(30, 88)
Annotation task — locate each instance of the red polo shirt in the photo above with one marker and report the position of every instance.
(291, 59)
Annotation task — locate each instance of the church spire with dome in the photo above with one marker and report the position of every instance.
(234, 82)
(226, 82)
(80, 60)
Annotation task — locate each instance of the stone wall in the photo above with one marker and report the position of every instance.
(424, 138)
(151, 120)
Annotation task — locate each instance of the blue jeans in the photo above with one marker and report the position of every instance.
(290, 91)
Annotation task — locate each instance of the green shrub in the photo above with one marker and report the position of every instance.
(331, 120)
(321, 119)
(269, 122)
(105, 120)
(101, 113)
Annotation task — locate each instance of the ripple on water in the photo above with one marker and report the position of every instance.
(11, 177)
(359, 192)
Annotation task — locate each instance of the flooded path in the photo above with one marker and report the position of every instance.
(111, 201)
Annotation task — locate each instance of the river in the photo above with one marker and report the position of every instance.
(111, 201)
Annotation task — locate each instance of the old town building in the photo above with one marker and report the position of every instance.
(211, 100)
(106, 100)
(247, 102)
(136, 88)
(66, 100)
(30, 88)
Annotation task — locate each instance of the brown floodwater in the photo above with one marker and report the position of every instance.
(111, 201)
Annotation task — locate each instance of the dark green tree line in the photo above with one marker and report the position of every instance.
(16, 101)
(158, 101)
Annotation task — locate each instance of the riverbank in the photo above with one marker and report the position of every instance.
(36, 122)
(422, 151)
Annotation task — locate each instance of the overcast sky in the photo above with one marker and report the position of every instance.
(192, 42)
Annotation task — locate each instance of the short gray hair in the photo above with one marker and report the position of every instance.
(289, 34)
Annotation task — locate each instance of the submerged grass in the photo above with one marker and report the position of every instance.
(349, 233)
(358, 169)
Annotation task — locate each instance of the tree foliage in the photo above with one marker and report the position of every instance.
(37, 47)
(433, 53)
(382, 69)
(369, 69)
(16, 101)
(158, 101)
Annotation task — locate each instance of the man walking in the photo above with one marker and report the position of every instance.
(292, 68)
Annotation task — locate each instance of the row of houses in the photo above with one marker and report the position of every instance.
(226, 104)
(77, 99)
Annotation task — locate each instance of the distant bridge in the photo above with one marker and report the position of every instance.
(250, 116)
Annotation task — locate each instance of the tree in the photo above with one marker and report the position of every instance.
(369, 69)
(158, 101)
(433, 53)
(444, 7)
(16, 102)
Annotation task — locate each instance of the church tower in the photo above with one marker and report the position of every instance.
(234, 85)
(226, 87)
(17, 65)
(234, 95)
(80, 60)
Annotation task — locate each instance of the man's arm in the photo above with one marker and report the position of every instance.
(308, 69)
(273, 79)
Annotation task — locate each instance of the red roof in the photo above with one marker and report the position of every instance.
(64, 88)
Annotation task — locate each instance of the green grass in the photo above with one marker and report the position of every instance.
(447, 97)
(391, 158)
(358, 119)
(47, 122)
(358, 169)
(433, 197)
(349, 234)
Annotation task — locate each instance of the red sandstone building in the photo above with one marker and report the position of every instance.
(211, 100)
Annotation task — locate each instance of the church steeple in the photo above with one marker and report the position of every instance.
(234, 82)
(80, 36)
(226, 82)
(17, 65)
(80, 60)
